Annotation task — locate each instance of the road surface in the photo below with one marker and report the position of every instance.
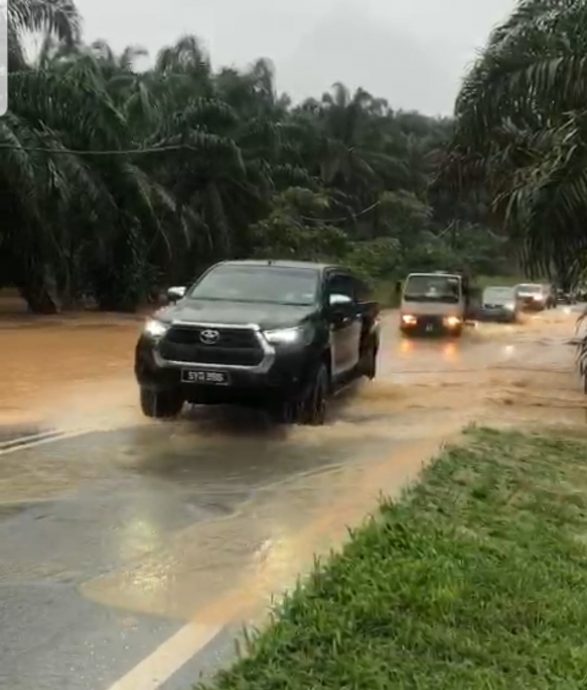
(132, 552)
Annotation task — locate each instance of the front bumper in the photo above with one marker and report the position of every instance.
(498, 314)
(531, 304)
(282, 372)
(430, 324)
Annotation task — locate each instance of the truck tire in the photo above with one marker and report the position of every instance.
(312, 411)
(369, 363)
(160, 405)
(310, 407)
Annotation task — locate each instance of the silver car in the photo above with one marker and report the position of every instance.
(500, 304)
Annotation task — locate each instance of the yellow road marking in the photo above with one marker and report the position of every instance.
(31, 443)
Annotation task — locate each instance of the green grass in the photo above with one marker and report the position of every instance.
(477, 580)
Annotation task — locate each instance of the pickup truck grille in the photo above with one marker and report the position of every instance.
(238, 346)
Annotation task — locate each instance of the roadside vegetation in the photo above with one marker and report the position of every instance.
(120, 173)
(474, 580)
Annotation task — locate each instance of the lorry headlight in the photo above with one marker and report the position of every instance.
(285, 336)
(409, 320)
(510, 306)
(452, 321)
(156, 328)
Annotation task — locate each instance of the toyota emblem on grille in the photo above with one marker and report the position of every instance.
(209, 336)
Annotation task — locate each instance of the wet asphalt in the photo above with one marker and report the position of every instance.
(146, 485)
(112, 541)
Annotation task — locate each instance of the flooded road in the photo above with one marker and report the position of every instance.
(132, 551)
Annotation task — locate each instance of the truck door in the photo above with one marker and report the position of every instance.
(345, 322)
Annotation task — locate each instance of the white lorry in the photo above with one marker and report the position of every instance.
(434, 303)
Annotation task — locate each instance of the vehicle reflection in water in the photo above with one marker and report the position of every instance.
(450, 351)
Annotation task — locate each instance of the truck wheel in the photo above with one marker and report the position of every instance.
(312, 411)
(160, 405)
(369, 368)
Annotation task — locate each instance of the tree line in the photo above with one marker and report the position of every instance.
(115, 181)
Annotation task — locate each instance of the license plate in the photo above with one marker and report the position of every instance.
(212, 378)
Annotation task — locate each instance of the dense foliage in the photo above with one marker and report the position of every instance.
(114, 180)
(521, 133)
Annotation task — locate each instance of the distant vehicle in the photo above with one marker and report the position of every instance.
(535, 297)
(282, 335)
(551, 296)
(434, 303)
(565, 297)
(500, 304)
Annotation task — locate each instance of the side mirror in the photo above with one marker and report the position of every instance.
(174, 294)
(339, 300)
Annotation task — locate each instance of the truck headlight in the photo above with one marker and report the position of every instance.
(156, 328)
(409, 320)
(452, 321)
(285, 336)
(510, 306)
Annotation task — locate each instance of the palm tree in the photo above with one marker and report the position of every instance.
(59, 18)
(521, 130)
(112, 178)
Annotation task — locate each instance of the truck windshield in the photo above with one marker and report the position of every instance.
(264, 284)
(433, 288)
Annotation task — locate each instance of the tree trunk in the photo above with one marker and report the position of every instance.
(40, 292)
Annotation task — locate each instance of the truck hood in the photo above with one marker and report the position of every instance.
(266, 316)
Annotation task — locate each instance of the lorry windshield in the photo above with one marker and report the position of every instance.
(433, 288)
(263, 284)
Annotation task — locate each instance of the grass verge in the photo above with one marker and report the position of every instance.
(477, 580)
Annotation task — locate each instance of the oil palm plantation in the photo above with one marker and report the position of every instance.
(113, 180)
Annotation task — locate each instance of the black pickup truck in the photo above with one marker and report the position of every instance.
(278, 334)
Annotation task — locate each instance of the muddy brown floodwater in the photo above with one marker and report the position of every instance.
(220, 511)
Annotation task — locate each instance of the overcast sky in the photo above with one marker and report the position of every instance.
(412, 52)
